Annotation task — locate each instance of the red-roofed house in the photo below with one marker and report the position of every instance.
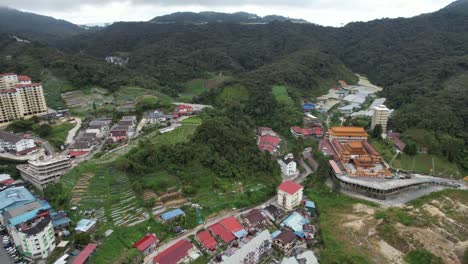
(296, 131)
(289, 194)
(221, 232)
(23, 79)
(147, 244)
(269, 143)
(183, 110)
(84, 255)
(177, 253)
(207, 240)
(306, 132)
(231, 224)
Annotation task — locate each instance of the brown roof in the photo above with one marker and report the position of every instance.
(273, 210)
(348, 131)
(255, 216)
(287, 237)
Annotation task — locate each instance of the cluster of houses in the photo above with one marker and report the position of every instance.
(87, 140)
(18, 145)
(124, 129)
(31, 222)
(268, 140)
(159, 117)
(247, 237)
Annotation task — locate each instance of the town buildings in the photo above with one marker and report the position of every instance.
(124, 129)
(289, 195)
(380, 117)
(20, 98)
(346, 134)
(14, 143)
(42, 172)
(100, 127)
(29, 222)
(252, 251)
(288, 165)
(156, 117)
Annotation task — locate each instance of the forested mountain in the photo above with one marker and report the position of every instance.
(212, 17)
(29, 25)
(422, 61)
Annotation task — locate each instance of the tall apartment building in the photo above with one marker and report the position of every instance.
(290, 195)
(40, 173)
(20, 98)
(36, 237)
(380, 117)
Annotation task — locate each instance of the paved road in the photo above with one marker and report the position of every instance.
(300, 178)
(71, 134)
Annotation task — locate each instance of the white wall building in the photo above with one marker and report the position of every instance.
(380, 117)
(253, 251)
(36, 238)
(290, 195)
(44, 171)
(288, 165)
(12, 142)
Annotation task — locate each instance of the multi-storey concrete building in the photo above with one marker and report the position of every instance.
(20, 98)
(380, 117)
(252, 251)
(290, 195)
(288, 165)
(36, 237)
(45, 171)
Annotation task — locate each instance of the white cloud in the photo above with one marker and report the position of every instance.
(324, 12)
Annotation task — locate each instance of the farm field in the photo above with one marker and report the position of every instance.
(281, 94)
(420, 163)
(200, 85)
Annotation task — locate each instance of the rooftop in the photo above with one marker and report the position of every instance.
(220, 231)
(84, 255)
(175, 253)
(84, 225)
(172, 214)
(247, 249)
(14, 196)
(207, 240)
(231, 224)
(255, 216)
(348, 131)
(145, 242)
(9, 137)
(286, 237)
(295, 221)
(290, 187)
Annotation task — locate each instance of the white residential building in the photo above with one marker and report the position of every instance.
(12, 142)
(253, 251)
(380, 117)
(44, 171)
(288, 165)
(36, 238)
(290, 195)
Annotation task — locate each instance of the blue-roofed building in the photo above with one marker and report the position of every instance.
(60, 219)
(167, 216)
(14, 197)
(310, 206)
(85, 225)
(308, 106)
(296, 221)
(25, 212)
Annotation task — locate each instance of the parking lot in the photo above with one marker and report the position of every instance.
(4, 256)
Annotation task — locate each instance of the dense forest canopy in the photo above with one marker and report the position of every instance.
(421, 62)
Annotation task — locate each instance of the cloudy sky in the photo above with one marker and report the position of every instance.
(324, 12)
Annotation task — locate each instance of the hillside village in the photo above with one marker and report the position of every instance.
(284, 229)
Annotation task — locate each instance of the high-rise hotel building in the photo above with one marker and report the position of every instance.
(20, 98)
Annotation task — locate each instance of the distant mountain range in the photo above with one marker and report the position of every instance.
(36, 26)
(213, 17)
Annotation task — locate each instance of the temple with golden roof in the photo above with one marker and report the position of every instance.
(356, 155)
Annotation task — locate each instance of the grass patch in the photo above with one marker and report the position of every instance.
(422, 257)
(192, 121)
(59, 134)
(419, 163)
(234, 94)
(281, 95)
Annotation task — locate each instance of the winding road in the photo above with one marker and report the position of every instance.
(300, 178)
